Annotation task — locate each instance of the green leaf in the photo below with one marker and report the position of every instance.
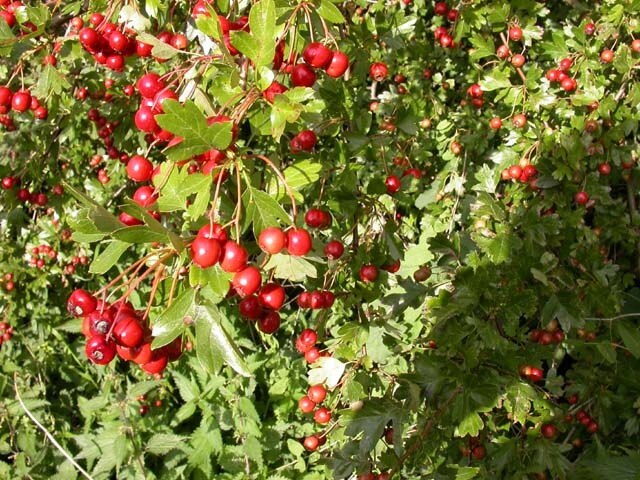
(259, 45)
(496, 80)
(330, 12)
(189, 123)
(213, 344)
(50, 82)
(470, 425)
(297, 176)
(630, 336)
(482, 47)
(263, 209)
(108, 257)
(163, 443)
(139, 234)
(288, 267)
(170, 324)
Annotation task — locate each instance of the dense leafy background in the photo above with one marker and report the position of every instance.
(438, 361)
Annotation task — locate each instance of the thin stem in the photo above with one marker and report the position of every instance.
(47, 433)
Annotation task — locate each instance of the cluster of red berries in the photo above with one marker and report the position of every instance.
(546, 337)
(316, 394)
(20, 101)
(7, 279)
(316, 56)
(316, 300)
(6, 332)
(110, 45)
(589, 423)
(263, 307)
(474, 449)
(39, 199)
(8, 10)
(40, 254)
(443, 35)
(526, 174)
(560, 75)
(118, 329)
(476, 93)
(144, 405)
(531, 373)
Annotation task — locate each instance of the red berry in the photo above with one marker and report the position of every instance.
(568, 84)
(338, 65)
(139, 169)
(145, 120)
(312, 355)
(302, 76)
(81, 303)
(590, 29)
(306, 405)
(157, 364)
(519, 120)
(303, 141)
(378, 71)
(316, 218)
(548, 430)
(306, 340)
(298, 242)
(495, 123)
(518, 60)
(99, 350)
(317, 393)
(515, 33)
(581, 198)
(149, 85)
(334, 249)
(440, 8)
(274, 89)
(21, 101)
(272, 240)
(250, 307)
(205, 252)
(269, 323)
(606, 56)
(247, 281)
(271, 296)
(145, 196)
(317, 55)
(393, 184)
(128, 332)
(592, 427)
(322, 415)
(311, 443)
(234, 257)
(214, 231)
(479, 452)
(143, 354)
(368, 273)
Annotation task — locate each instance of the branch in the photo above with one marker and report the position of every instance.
(48, 434)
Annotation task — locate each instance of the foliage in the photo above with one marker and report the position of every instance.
(429, 366)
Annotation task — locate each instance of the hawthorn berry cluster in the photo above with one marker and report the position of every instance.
(8, 12)
(117, 328)
(8, 283)
(6, 332)
(19, 101)
(526, 174)
(547, 336)
(442, 34)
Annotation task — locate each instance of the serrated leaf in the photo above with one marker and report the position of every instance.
(288, 267)
(630, 336)
(330, 12)
(108, 257)
(139, 234)
(470, 425)
(213, 344)
(170, 324)
(259, 45)
(263, 209)
(163, 443)
(189, 123)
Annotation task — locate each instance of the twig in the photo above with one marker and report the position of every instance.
(47, 434)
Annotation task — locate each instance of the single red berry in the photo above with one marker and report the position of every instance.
(139, 169)
(302, 75)
(317, 393)
(303, 141)
(214, 231)
(606, 56)
(322, 415)
(479, 452)
(21, 101)
(205, 252)
(250, 307)
(234, 257)
(128, 332)
(548, 430)
(149, 85)
(247, 281)
(378, 71)
(338, 65)
(368, 273)
(306, 405)
(581, 198)
(145, 196)
(312, 355)
(81, 303)
(495, 123)
(393, 184)
(298, 242)
(272, 240)
(311, 443)
(317, 55)
(145, 120)
(334, 249)
(515, 33)
(271, 296)
(269, 322)
(157, 364)
(306, 340)
(99, 350)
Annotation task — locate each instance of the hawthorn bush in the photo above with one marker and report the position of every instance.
(316, 239)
